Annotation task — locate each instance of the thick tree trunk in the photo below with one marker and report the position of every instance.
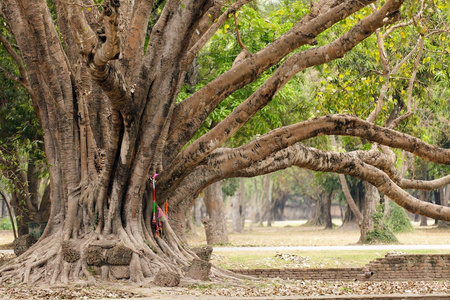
(371, 200)
(215, 222)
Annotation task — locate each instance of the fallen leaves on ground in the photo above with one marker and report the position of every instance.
(317, 288)
(66, 292)
(245, 289)
(296, 260)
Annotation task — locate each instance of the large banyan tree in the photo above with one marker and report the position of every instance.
(104, 78)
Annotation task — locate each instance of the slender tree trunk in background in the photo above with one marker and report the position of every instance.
(327, 211)
(3, 211)
(239, 208)
(268, 215)
(444, 194)
(319, 212)
(447, 196)
(254, 216)
(438, 200)
(18, 204)
(27, 203)
(279, 205)
(270, 205)
(371, 199)
(190, 226)
(349, 218)
(349, 199)
(387, 207)
(267, 207)
(198, 205)
(215, 222)
(10, 213)
(424, 197)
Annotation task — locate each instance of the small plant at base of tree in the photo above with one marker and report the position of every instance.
(381, 233)
(398, 220)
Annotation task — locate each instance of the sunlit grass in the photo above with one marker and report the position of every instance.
(303, 259)
(293, 233)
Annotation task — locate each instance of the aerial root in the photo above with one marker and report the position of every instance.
(225, 274)
(136, 273)
(77, 270)
(28, 268)
(57, 270)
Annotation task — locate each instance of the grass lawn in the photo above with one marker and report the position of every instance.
(293, 233)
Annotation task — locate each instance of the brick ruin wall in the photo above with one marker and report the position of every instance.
(394, 267)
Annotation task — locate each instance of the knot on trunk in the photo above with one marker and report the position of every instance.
(205, 220)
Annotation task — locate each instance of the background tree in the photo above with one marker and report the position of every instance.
(23, 170)
(397, 75)
(106, 89)
(214, 221)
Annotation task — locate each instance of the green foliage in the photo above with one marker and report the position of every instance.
(5, 224)
(258, 25)
(382, 232)
(398, 220)
(328, 181)
(21, 143)
(230, 186)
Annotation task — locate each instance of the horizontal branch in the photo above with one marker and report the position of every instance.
(345, 163)
(268, 151)
(429, 185)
